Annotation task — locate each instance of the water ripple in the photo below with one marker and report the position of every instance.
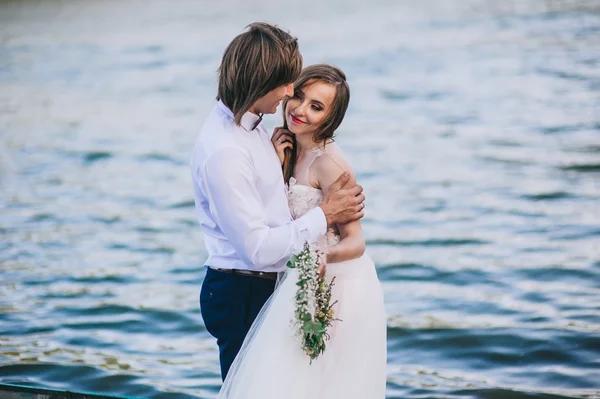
(473, 128)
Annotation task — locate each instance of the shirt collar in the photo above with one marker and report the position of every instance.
(248, 119)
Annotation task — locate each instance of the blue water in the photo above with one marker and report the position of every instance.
(473, 126)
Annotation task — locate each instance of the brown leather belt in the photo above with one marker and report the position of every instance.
(252, 273)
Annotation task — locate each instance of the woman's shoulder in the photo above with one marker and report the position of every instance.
(332, 158)
(329, 165)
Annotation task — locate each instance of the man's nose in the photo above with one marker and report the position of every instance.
(289, 90)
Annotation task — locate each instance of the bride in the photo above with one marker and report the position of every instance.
(271, 363)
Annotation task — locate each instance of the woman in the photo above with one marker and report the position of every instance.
(271, 363)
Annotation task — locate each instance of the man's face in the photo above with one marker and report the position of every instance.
(268, 103)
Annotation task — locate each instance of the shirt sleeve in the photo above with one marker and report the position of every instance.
(237, 209)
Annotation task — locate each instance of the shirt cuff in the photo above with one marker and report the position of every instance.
(315, 223)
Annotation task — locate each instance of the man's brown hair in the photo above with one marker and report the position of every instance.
(257, 61)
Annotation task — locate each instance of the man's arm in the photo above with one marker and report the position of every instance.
(236, 206)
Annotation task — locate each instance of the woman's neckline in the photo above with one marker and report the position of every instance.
(318, 147)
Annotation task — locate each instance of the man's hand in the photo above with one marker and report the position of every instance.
(342, 204)
(281, 140)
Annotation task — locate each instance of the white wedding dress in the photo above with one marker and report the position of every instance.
(271, 363)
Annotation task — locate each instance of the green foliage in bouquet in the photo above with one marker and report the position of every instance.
(313, 311)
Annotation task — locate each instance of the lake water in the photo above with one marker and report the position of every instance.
(474, 127)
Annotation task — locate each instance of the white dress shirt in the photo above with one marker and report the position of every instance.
(241, 199)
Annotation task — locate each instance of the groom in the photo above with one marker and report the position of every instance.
(239, 192)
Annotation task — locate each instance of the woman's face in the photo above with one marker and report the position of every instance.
(309, 107)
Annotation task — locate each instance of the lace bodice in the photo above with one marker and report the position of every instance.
(303, 198)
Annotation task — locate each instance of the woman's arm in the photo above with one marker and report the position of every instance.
(352, 243)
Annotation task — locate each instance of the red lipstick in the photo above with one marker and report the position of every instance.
(296, 120)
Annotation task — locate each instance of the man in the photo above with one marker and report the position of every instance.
(239, 192)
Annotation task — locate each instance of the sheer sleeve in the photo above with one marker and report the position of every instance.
(327, 168)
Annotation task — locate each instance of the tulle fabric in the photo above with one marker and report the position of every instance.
(271, 363)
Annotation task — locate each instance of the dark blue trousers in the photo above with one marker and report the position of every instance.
(229, 304)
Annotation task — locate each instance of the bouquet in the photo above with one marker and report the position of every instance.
(314, 310)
